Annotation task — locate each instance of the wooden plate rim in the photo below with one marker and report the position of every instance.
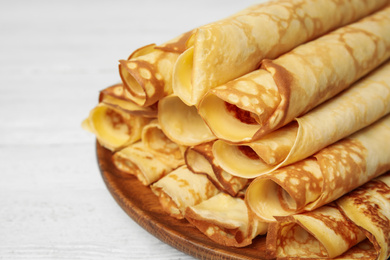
(145, 211)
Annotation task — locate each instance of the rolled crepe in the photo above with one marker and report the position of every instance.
(180, 189)
(362, 251)
(322, 233)
(224, 50)
(355, 108)
(324, 177)
(182, 123)
(114, 128)
(155, 141)
(296, 82)
(118, 96)
(137, 160)
(225, 220)
(369, 208)
(200, 159)
(147, 73)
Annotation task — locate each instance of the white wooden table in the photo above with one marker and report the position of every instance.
(55, 56)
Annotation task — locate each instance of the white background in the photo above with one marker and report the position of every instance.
(55, 56)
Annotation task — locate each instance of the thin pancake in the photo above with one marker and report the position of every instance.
(182, 123)
(147, 73)
(362, 251)
(358, 106)
(369, 208)
(181, 189)
(235, 46)
(298, 81)
(200, 159)
(322, 233)
(114, 128)
(138, 161)
(159, 144)
(225, 220)
(117, 95)
(329, 174)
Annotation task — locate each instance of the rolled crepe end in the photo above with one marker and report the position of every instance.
(324, 232)
(86, 125)
(225, 220)
(266, 199)
(167, 203)
(221, 235)
(291, 189)
(223, 122)
(132, 84)
(287, 238)
(142, 51)
(368, 207)
(112, 127)
(240, 161)
(200, 164)
(136, 161)
(159, 144)
(117, 96)
(182, 123)
(180, 189)
(130, 169)
(200, 159)
(182, 78)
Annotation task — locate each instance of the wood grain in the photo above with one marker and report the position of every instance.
(142, 206)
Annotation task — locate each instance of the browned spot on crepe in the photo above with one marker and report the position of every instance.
(178, 45)
(347, 155)
(341, 228)
(290, 83)
(248, 151)
(222, 180)
(297, 181)
(117, 120)
(144, 72)
(361, 199)
(242, 115)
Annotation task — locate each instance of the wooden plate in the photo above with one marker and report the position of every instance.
(139, 202)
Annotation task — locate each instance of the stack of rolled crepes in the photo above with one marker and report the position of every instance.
(273, 122)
